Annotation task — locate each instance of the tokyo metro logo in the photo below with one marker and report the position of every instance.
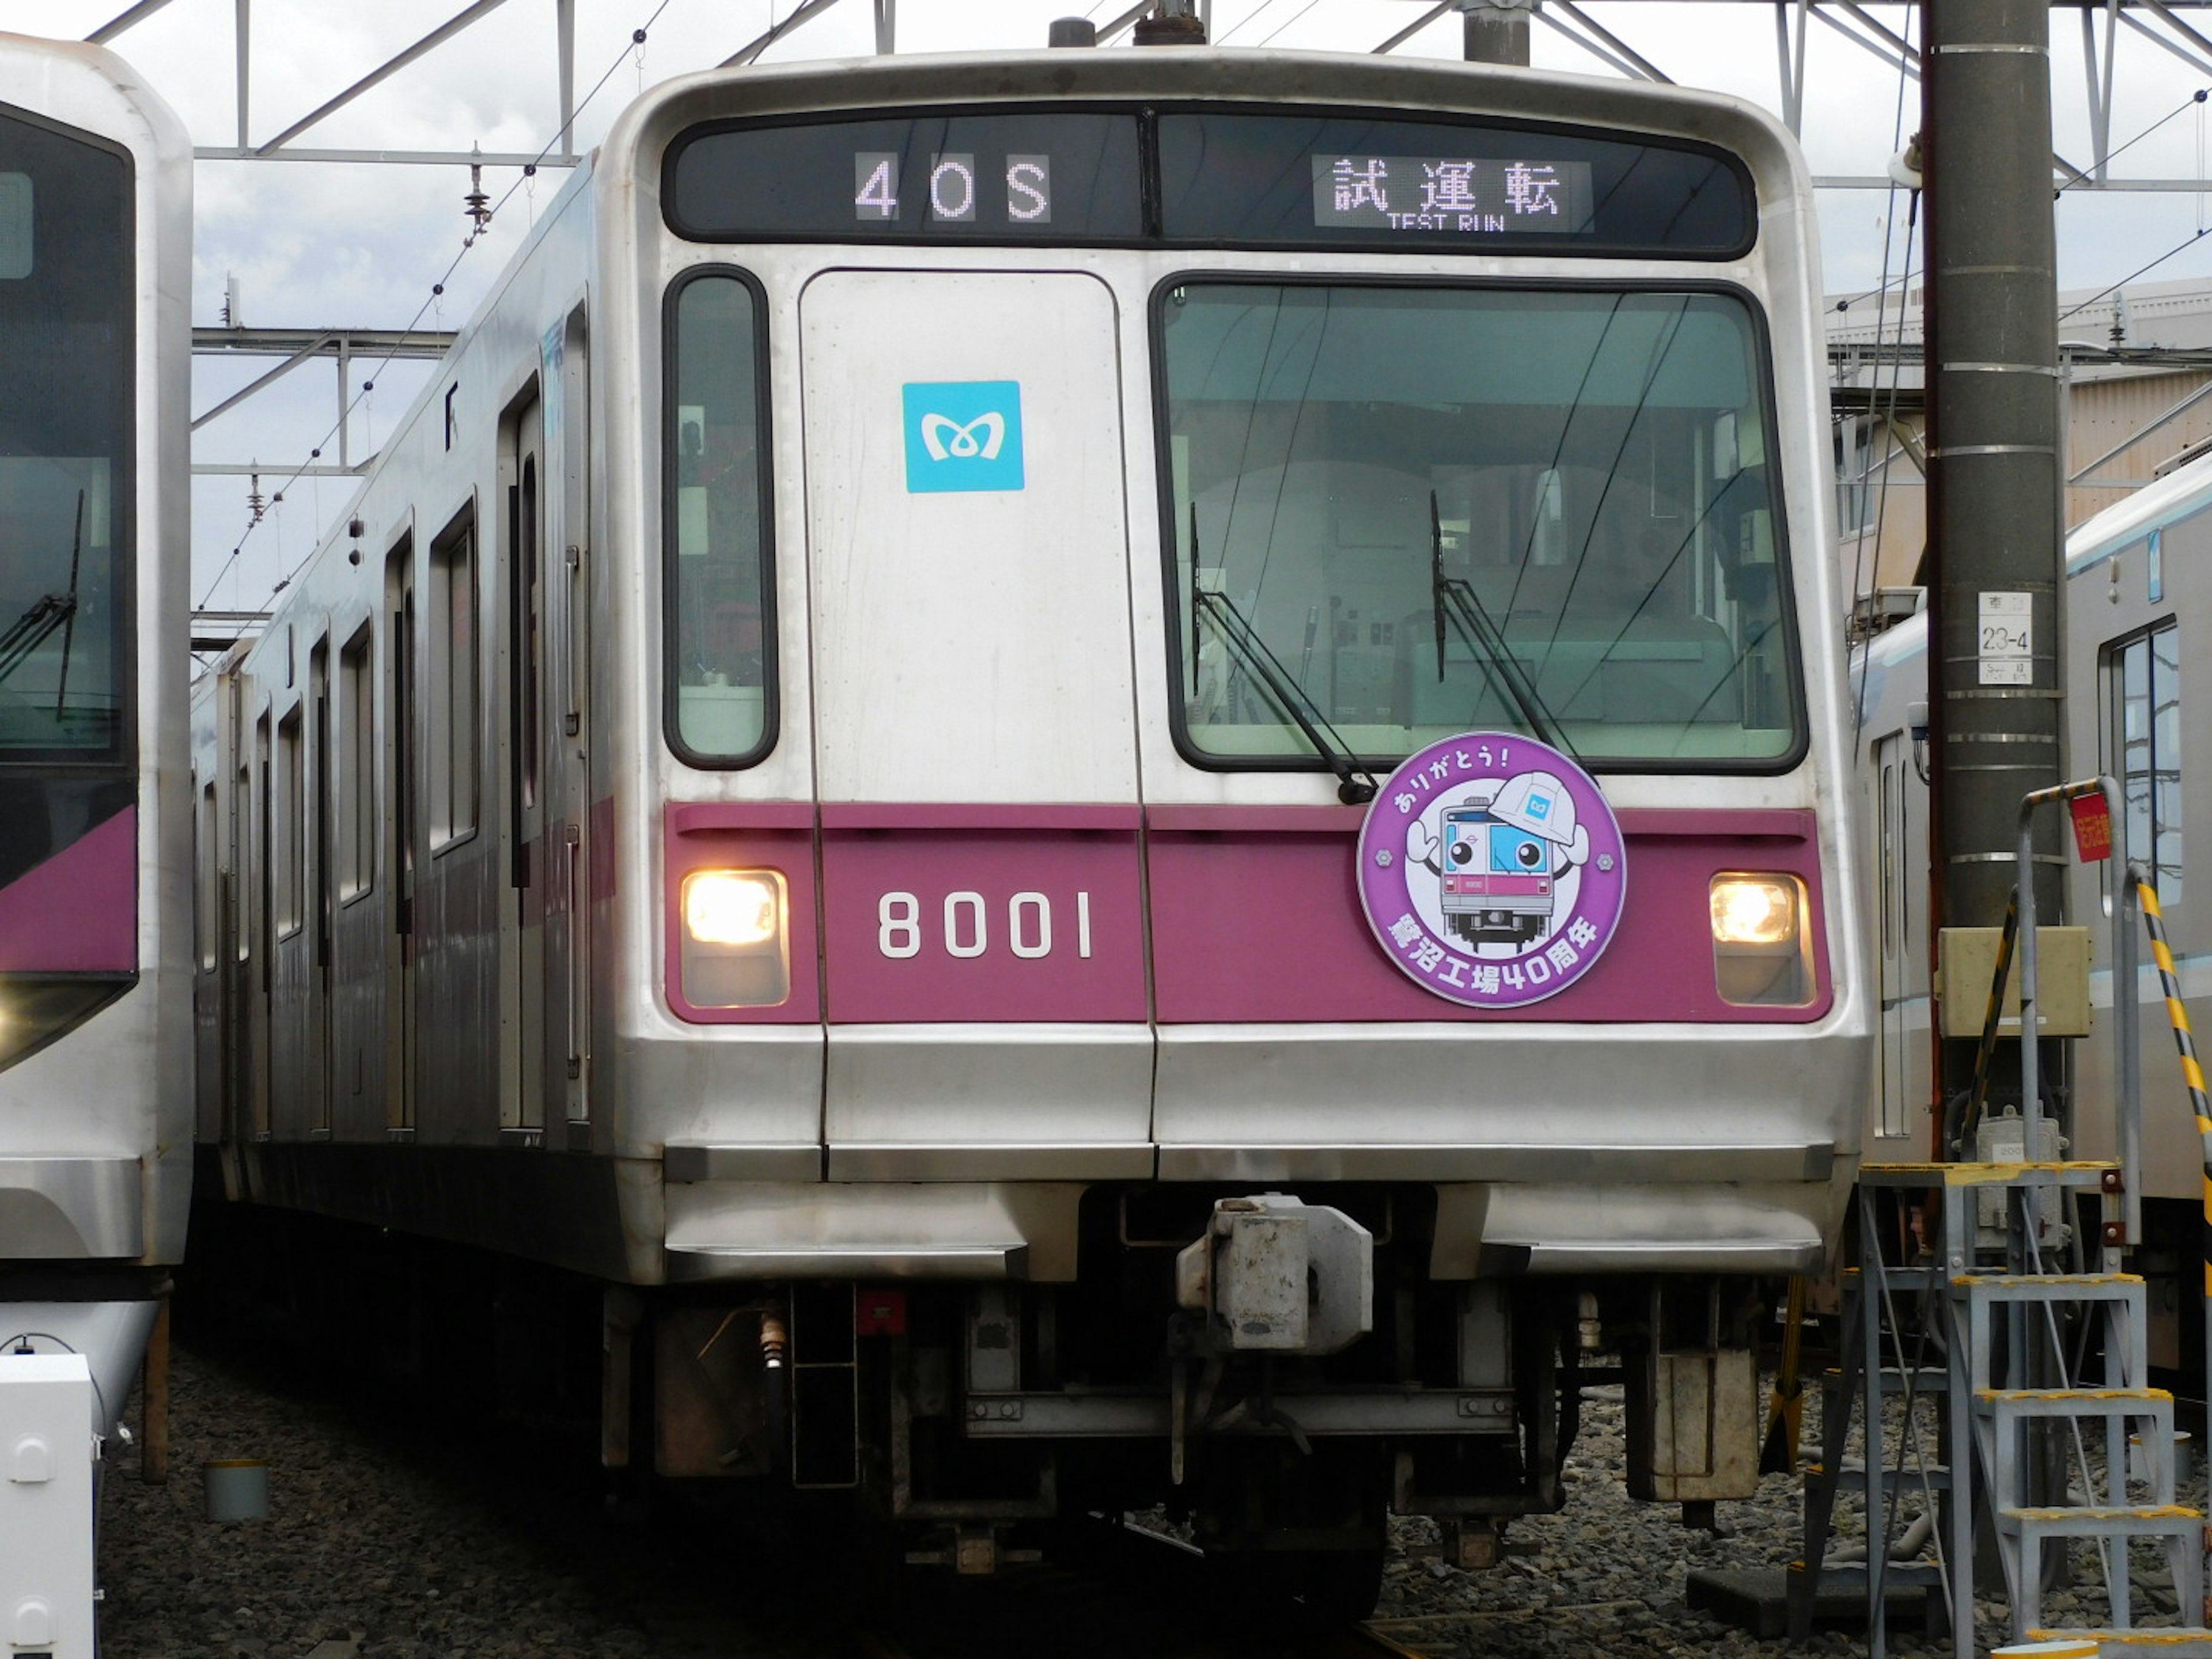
(962, 435)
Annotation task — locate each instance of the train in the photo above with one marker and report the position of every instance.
(857, 813)
(2130, 575)
(96, 1105)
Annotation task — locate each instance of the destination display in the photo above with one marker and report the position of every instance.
(1289, 178)
(1454, 195)
(1017, 176)
(1206, 177)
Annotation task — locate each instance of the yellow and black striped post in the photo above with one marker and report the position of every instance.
(2193, 1074)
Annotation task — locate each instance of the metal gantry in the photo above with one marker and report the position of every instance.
(1810, 37)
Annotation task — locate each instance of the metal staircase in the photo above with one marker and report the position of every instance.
(1948, 1337)
(1961, 1314)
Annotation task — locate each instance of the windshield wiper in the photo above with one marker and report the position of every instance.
(1454, 598)
(1355, 784)
(50, 612)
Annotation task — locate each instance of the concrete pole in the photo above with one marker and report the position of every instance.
(1497, 30)
(1994, 454)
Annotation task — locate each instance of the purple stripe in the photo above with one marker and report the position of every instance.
(1020, 815)
(1784, 823)
(77, 913)
(1283, 820)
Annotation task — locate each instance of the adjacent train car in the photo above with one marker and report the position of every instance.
(866, 776)
(95, 825)
(2132, 573)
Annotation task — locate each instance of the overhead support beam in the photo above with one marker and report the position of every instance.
(1602, 43)
(429, 158)
(244, 43)
(270, 470)
(375, 77)
(1412, 28)
(2101, 86)
(1791, 59)
(304, 353)
(402, 342)
(753, 50)
(564, 46)
(115, 26)
(1886, 44)
(2172, 48)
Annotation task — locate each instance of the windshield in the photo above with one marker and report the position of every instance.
(65, 356)
(1445, 510)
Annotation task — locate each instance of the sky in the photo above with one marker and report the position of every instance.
(313, 244)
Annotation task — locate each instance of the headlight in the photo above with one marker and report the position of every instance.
(733, 951)
(732, 906)
(1762, 949)
(36, 1008)
(1755, 909)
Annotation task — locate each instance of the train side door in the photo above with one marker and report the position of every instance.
(974, 726)
(401, 836)
(1904, 1083)
(531, 858)
(265, 928)
(566, 433)
(322, 886)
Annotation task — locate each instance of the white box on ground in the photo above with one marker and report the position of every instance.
(46, 1455)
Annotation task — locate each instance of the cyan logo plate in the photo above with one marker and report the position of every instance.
(962, 435)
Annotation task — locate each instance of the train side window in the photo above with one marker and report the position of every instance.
(2143, 750)
(719, 637)
(203, 865)
(454, 661)
(242, 850)
(289, 837)
(356, 762)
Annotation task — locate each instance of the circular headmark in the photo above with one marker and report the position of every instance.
(1491, 870)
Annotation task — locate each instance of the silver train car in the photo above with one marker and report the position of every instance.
(2133, 573)
(864, 777)
(95, 825)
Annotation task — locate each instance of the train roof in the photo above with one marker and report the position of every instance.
(2181, 494)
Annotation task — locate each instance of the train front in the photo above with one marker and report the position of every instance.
(95, 1013)
(1246, 696)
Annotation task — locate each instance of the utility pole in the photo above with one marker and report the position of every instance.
(1497, 30)
(1991, 334)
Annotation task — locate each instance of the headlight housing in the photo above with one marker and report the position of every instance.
(36, 1008)
(1762, 945)
(735, 938)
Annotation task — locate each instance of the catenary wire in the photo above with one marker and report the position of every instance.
(437, 289)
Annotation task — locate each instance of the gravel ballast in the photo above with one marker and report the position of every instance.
(386, 1542)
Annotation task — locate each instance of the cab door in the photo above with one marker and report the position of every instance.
(975, 746)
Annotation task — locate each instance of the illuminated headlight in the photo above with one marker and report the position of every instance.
(732, 906)
(734, 952)
(1761, 951)
(36, 1008)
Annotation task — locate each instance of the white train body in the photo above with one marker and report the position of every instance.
(762, 801)
(95, 825)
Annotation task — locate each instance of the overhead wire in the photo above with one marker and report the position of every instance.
(437, 290)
